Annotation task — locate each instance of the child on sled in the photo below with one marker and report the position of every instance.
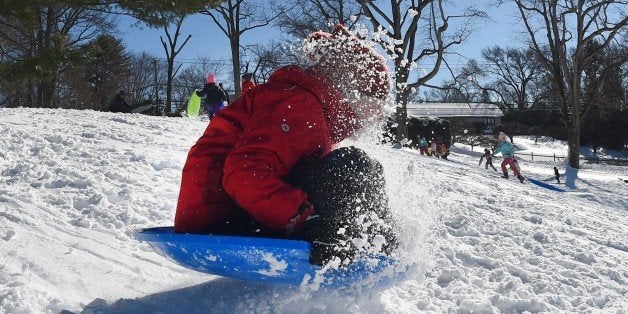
(266, 164)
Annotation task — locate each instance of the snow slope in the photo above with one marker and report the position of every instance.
(76, 185)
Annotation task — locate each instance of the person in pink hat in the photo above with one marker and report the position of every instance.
(214, 97)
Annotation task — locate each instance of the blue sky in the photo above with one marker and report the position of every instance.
(208, 41)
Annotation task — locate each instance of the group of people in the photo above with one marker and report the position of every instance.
(432, 148)
(214, 96)
(505, 147)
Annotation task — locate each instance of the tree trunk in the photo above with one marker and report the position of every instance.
(235, 56)
(45, 93)
(575, 117)
(574, 146)
(30, 91)
(168, 104)
(401, 100)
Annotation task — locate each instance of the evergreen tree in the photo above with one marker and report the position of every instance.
(106, 69)
(40, 40)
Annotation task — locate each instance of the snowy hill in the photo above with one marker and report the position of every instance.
(75, 186)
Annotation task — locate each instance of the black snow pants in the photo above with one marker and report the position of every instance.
(347, 189)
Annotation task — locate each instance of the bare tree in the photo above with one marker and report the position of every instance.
(416, 32)
(307, 16)
(140, 83)
(559, 32)
(265, 59)
(463, 87)
(234, 18)
(172, 51)
(516, 73)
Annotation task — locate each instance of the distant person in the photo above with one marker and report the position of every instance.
(505, 147)
(214, 97)
(489, 159)
(118, 104)
(557, 175)
(443, 152)
(247, 82)
(434, 147)
(423, 146)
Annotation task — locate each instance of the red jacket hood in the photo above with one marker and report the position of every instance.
(339, 115)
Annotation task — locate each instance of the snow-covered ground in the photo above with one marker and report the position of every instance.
(75, 186)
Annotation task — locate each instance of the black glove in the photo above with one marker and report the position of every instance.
(342, 186)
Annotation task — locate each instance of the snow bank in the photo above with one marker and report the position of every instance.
(76, 185)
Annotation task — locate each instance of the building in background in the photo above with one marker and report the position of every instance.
(469, 118)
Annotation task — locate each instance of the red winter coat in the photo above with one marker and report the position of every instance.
(248, 148)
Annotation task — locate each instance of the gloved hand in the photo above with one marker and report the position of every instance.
(344, 185)
(306, 210)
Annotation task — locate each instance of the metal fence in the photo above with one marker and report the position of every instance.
(557, 158)
(540, 157)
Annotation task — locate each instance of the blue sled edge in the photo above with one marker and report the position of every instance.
(264, 260)
(545, 185)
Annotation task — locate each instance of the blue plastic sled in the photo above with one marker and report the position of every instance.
(265, 260)
(545, 185)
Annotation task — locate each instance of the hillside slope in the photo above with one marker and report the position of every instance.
(75, 186)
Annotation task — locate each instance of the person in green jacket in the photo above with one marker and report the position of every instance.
(423, 145)
(508, 152)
